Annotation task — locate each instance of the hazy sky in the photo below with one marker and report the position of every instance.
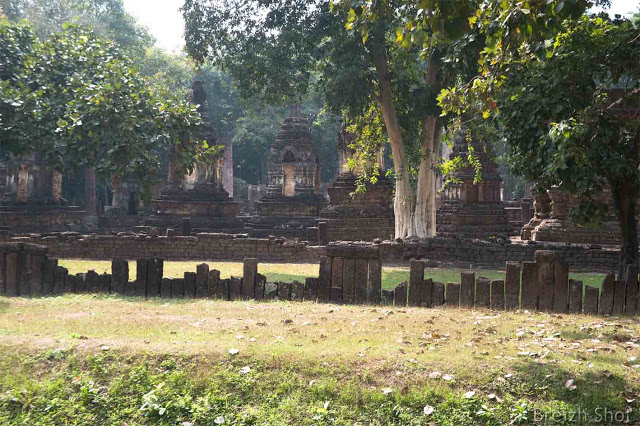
(164, 19)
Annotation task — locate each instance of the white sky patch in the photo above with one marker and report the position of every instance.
(164, 19)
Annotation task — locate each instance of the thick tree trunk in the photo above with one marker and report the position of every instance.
(624, 199)
(425, 215)
(90, 191)
(405, 199)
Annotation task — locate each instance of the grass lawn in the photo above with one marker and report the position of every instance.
(90, 360)
(391, 276)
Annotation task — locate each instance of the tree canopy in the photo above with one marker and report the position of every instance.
(76, 100)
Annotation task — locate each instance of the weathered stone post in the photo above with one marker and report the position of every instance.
(49, 276)
(575, 296)
(606, 300)
(512, 286)
(416, 278)
(361, 278)
(437, 294)
(261, 282)
(310, 289)
(546, 261)
(12, 270)
(154, 278)
(425, 293)
(70, 284)
(190, 280)
(235, 288)
(619, 297)
(591, 297)
(202, 278)
(348, 280)
(24, 263)
(297, 291)
(374, 289)
(212, 282)
(467, 289)
(177, 288)
(249, 275)
(337, 265)
(324, 280)
(142, 276)
(483, 292)
(453, 295)
(61, 278)
(401, 295)
(81, 282)
(104, 281)
(36, 275)
(530, 285)
(561, 287)
(119, 275)
(165, 288)
(497, 295)
(93, 282)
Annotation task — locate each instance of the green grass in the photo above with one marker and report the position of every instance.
(88, 360)
(391, 275)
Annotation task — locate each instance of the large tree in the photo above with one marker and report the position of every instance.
(278, 49)
(567, 107)
(77, 101)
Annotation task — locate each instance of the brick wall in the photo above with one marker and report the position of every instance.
(441, 251)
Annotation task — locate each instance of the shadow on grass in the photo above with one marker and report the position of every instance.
(594, 392)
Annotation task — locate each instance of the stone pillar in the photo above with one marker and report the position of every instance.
(23, 194)
(190, 284)
(483, 292)
(38, 260)
(497, 295)
(337, 264)
(575, 296)
(591, 298)
(401, 295)
(212, 281)
(530, 285)
(141, 277)
(202, 278)
(361, 276)
(437, 294)
(12, 271)
(56, 187)
(546, 260)
(120, 275)
(426, 293)
(467, 289)
(348, 281)
(512, 286)
(453, 295)
(310, 289)
(416, 277)
(375, 281)
(606, 299)
(250, 272)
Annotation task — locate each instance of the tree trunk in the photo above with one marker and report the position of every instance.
(90, 191)
(405, 199)
(624, 199)
(425, 215)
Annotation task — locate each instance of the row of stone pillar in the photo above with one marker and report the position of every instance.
(541, 285)
(351, 274)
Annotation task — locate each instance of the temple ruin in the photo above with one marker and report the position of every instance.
(199, 196)
(468, 209)
(293, 196)
(355, 216)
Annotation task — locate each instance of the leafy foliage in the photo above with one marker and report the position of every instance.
(76, 100)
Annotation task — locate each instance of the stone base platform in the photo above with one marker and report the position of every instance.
(26, 218)
(472, 220)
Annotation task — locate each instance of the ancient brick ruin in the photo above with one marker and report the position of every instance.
(468, 209)
(293, 197)
(552, 220)
(352, 216)
(348, 274)
(201, 196)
